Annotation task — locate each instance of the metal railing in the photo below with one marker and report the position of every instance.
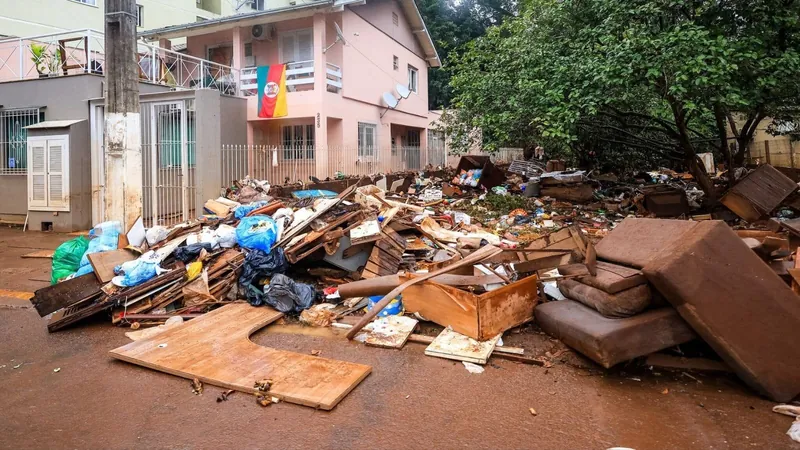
(299, 77)
(14, 139)
(83, 51)
(281, 165)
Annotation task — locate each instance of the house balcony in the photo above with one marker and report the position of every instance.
(83, 51)
(302, 98)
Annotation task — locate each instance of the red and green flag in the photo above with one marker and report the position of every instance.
(272, 90)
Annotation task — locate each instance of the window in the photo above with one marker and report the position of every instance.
(139, 15)
(413, 78)
(298, 141)
(87, 2)
(48, 179)
(395, 19)
(14, 138)
(249, 59)
(257, 5)
(297, 46)
(395, 62)
(366, 139)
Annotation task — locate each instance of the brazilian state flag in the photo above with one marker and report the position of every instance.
(272, 90)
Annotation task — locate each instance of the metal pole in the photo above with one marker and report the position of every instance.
(88, 68)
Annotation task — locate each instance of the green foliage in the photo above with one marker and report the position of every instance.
(658, 79)
(451, 25)
(45, 61)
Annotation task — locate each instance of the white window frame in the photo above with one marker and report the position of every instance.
(362, 127)
(139, 15)
(92, 3)
(413, 79)
(296, 34)
(47, 204)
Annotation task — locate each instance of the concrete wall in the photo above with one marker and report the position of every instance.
(35, 17)
(79, 216)
(379, 14)
(368, 67)
(63, 98)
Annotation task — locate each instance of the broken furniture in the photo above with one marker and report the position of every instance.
(665, 201)
(216, 349)
(758, 193)
(635, 242)
(491, 176)
(621, 304)
(735, 302)
(610, 278)
(609, 341)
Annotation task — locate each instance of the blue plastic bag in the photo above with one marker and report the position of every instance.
(259, 232)
(137, 271)
(243, 210)
(104, 237)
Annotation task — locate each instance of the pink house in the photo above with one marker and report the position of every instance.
(339, 81)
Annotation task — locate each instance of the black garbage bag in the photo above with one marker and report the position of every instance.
(260, 264)
(191, 252)
(286, 295)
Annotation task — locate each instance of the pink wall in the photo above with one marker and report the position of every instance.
(379, 13)
(368, 71)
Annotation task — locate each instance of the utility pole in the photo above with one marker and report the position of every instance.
(123, 142)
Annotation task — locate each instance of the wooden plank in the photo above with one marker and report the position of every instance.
(507, 307)
(217, 350)
(390, 331)
(47, 254)
(452, 345)
(65, 294)
(444, 305)
(103, 263)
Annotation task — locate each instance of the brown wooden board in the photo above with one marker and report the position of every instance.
(103, 263)
(217, 350)
(757, 194)
(47, 254)
(65, 294)
(736, 303)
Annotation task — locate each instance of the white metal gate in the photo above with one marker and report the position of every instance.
(168, 162)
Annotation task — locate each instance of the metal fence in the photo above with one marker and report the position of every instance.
(303, 163)
(14, 137)
(83, 51)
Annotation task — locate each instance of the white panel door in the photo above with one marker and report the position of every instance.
(37, 175)
(48, 179)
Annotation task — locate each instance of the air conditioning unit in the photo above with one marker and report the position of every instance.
(262, 32)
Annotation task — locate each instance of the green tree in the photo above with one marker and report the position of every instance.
(670, 77)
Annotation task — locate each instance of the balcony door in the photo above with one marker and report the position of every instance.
(297, 46)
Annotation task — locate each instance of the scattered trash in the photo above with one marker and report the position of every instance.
(223, 397)
(472, 367)
(197, 386)
(533, 412)
(57, 369)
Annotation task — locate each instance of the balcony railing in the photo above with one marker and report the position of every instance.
(299, 77)
(83, 51)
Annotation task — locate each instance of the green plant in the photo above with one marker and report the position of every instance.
(45, 61)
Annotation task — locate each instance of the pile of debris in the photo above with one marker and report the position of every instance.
(478, 252)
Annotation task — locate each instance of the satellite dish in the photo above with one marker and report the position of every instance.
(390, 100)
(402, 90)
(339, 38)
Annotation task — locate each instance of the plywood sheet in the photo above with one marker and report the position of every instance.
(452, 345)
(217, 350)
(47, 254)
(390, 331)
(103, 263)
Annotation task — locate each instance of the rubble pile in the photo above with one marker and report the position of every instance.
(616, 269)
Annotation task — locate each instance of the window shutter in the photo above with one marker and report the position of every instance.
(56, 170)
(288, 49)
(305, 46)
(37, 174)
